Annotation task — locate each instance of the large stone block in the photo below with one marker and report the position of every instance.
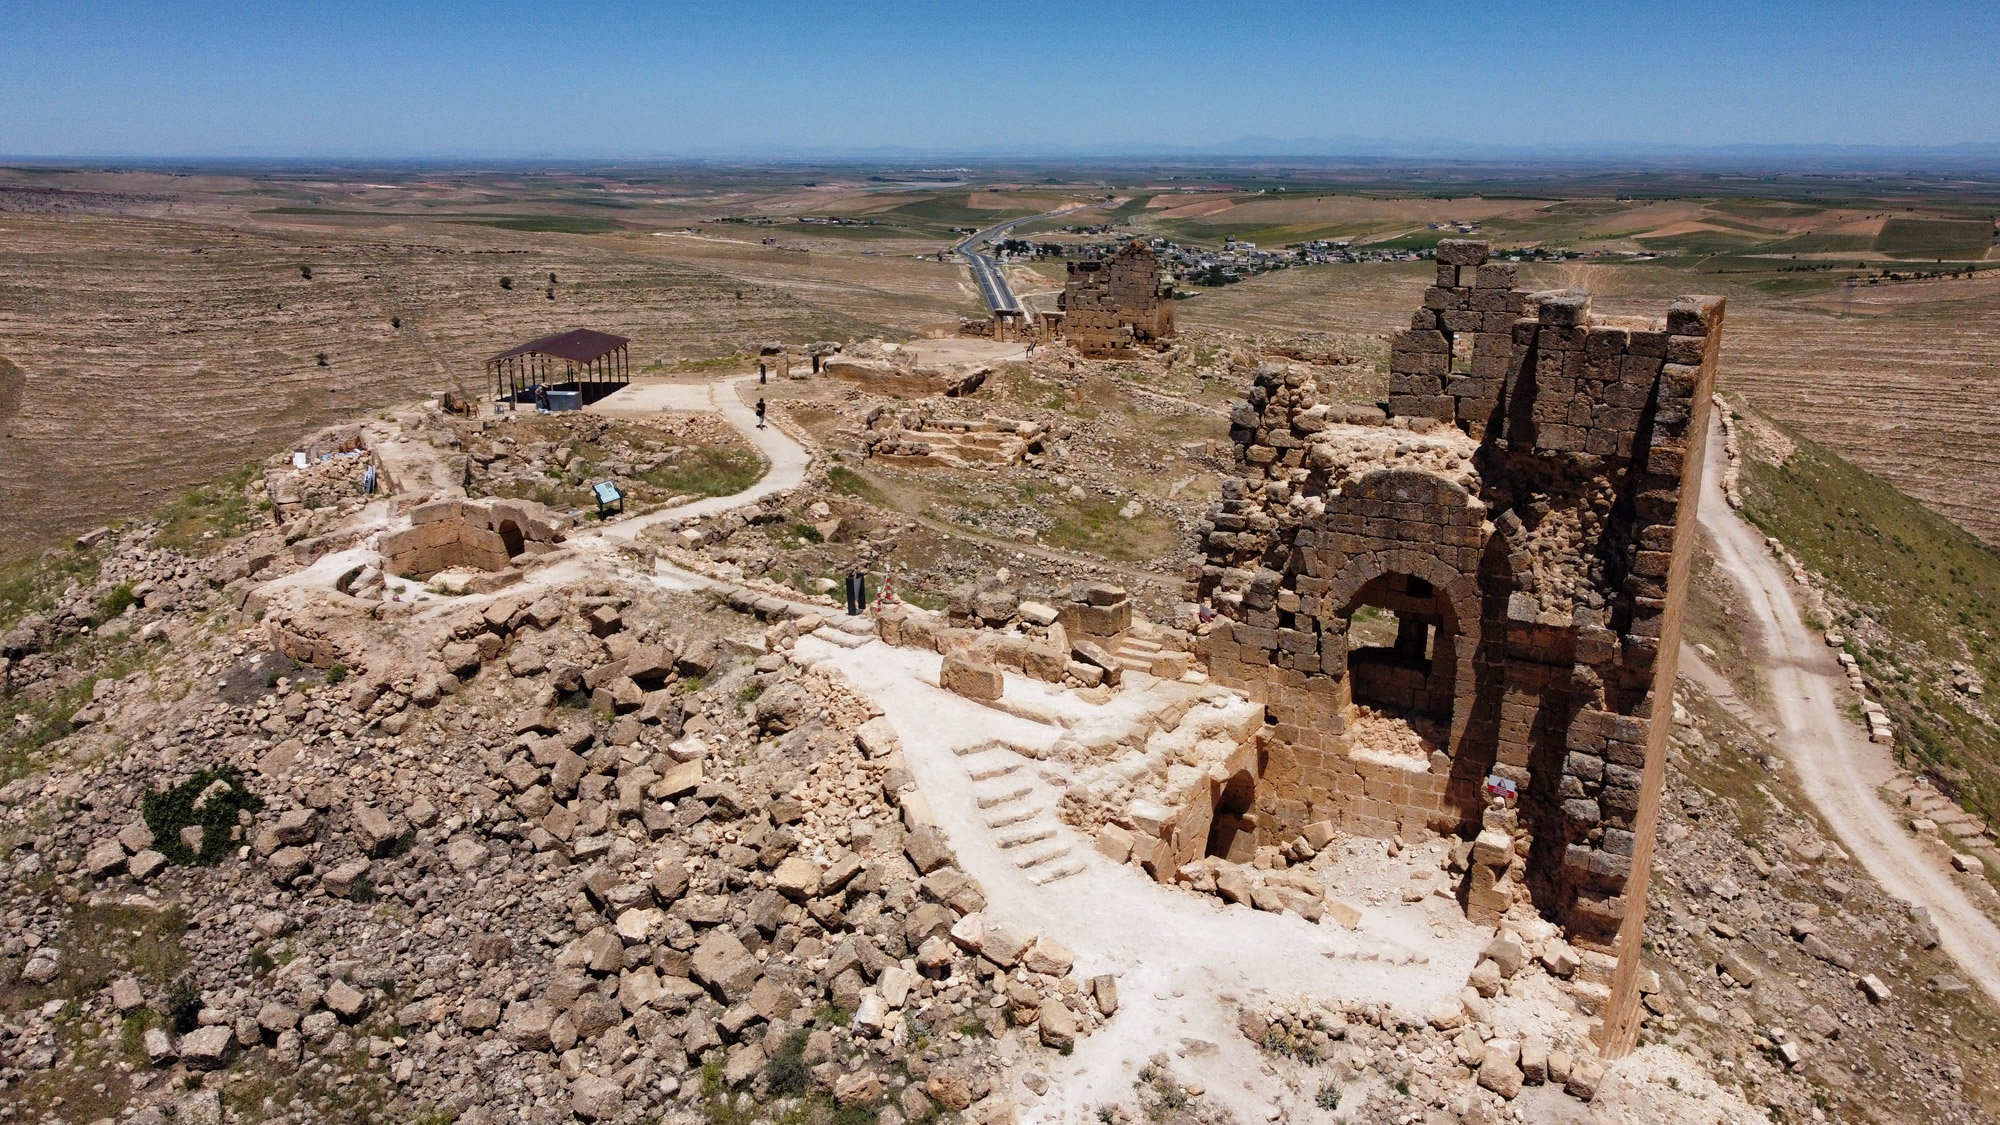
(970, 678)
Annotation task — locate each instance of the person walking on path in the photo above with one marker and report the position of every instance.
(760, 413)
(760, 372)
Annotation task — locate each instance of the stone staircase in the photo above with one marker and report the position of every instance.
(1020, 808)
(1922, 801)
(1140, 650)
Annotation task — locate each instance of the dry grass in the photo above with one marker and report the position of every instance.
(159, 331)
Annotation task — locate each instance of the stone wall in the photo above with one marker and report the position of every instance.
(1112, 305)
(478, 535)
(1525, 504)
(915, 436)
(885, 377)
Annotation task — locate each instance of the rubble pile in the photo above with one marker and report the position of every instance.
(886, 369)
(538, 857)
(554, 458)
(333, 476)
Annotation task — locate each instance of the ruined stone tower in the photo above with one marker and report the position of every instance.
(1523, 505)
(1109, 306)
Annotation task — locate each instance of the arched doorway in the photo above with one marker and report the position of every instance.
(510, 536)
(1402, 649)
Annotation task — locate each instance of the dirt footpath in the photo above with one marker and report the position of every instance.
(1836, 764)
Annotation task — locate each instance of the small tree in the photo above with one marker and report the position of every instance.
(552, 292)
(306, 272)
(552, 277)
(506, 283)
(322, 359)
(395, 322)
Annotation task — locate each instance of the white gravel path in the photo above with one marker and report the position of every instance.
(1181, 959)
(1837, 766)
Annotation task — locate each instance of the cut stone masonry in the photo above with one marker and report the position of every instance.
(1112, 305)
(480, 535)
(1523, 505)
(914, 436)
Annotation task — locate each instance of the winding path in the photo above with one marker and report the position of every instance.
(788, 459)
(1837, 767)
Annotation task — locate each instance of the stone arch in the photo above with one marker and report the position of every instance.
(511, 537)
(1459, 591)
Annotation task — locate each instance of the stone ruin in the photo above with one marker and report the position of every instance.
(899, 375)
(335, 461)
(1523, 504)
(1109, 307)
(485, 535)
(914, 436)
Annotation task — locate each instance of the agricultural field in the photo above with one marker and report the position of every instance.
(159, 329)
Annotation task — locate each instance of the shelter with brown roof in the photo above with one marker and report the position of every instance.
(582, 359)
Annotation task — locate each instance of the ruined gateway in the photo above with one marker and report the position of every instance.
(1109, 307)
(1524, 504)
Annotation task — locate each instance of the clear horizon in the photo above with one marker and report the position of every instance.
(626, 81)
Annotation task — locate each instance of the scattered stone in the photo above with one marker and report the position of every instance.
(205, 1047)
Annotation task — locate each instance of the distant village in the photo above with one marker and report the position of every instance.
(1240, 258)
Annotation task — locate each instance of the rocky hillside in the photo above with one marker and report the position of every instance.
(429, 879)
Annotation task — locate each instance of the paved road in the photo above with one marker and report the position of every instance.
(992, 284)
(1836, 764)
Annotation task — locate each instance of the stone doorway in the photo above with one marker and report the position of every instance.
(1232, 834)
(510, 535)
(1410, 672)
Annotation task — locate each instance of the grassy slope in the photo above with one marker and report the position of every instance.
(1932, 586)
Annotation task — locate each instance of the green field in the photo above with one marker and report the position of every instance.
(1701, 243)
(952, 210)
(1956, 239)
(547, 224)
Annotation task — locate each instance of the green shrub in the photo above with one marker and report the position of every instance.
(1328, 1097)
(786, 1074)
(336, 674)
(168, 811)
(114, 602)
(183, 1003)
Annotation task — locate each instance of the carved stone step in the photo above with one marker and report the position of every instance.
(1046, 855)
(988, 801)
(1016, 815)
(1031, 836)
(1061, 870)
(989, 772)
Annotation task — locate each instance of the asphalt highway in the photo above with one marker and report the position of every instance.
(992, 285)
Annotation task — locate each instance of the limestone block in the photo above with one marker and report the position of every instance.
(972, 679)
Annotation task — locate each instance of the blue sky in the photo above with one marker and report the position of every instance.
(558, 79)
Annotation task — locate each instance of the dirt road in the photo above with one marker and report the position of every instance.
(1836, 764)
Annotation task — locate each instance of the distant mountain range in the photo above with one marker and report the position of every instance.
(1969, 157)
